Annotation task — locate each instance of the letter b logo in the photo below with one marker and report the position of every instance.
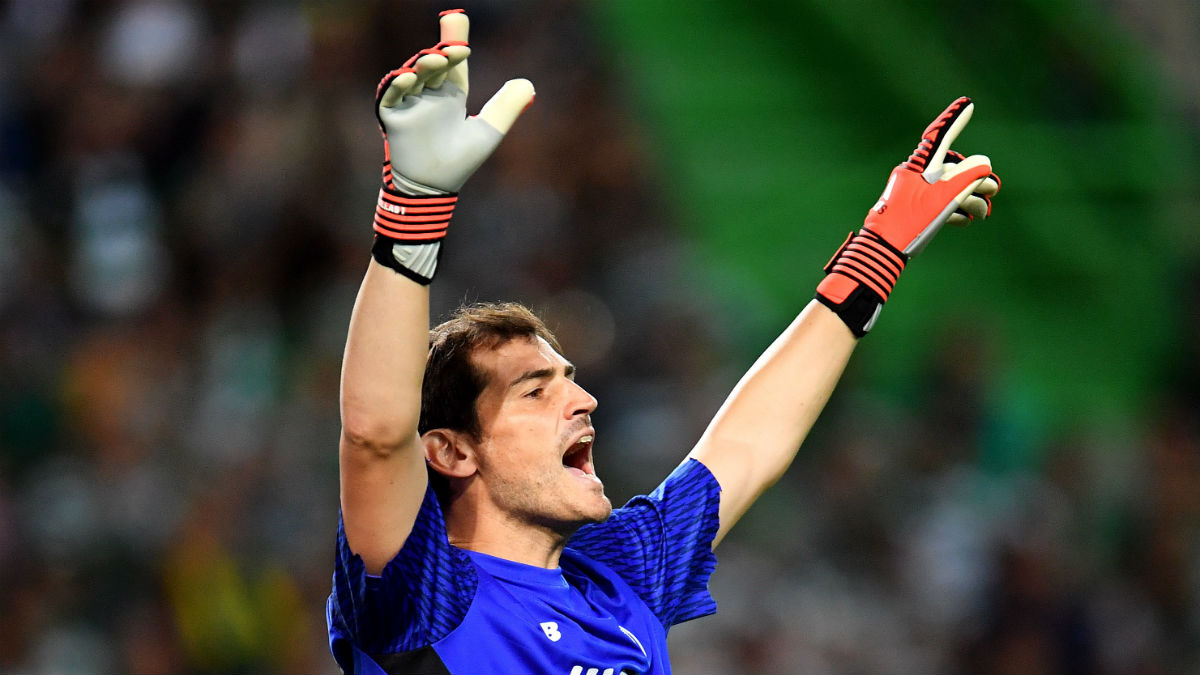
(550, 628)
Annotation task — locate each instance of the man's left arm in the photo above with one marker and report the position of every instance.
(756, 434)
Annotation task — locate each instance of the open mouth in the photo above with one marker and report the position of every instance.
(578, 458)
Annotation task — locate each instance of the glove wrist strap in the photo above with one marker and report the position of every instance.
(409, 227)
(859, 278)
(413, 219)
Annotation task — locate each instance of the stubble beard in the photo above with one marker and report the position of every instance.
(547, 502)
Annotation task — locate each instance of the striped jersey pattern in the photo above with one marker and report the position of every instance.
(661, 544)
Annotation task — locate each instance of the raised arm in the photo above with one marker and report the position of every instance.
(757, 432)
(431, 147)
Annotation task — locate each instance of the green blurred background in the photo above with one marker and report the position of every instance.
(775, 120)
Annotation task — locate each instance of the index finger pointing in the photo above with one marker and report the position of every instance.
(930, 154)
(943, 130)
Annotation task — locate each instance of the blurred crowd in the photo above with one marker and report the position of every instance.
(186, 190)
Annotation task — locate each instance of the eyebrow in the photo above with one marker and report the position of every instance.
(541, 374)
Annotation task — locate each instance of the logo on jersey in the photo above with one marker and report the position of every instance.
(550, 628)
(584, 670)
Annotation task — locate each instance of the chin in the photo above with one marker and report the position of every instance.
(602, 510)
(596, 511)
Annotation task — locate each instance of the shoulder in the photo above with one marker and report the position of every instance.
(420, 596)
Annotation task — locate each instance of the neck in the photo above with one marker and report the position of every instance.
(505, 537)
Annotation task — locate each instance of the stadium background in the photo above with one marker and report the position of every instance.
(1007, 480)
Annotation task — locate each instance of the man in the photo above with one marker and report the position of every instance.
(475, 535)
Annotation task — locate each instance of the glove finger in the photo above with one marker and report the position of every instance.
(947, 127)
(965, 177)
(974, 206)
(935, 141)
(959, 218)
(455, 29)
(993, 184)
(454, 26)
(457, 73)
(506, 105)
(990, 185)
(397, 89)
(435, 81)
(428, 66)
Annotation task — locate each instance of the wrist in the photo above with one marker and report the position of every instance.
(413, 219)
(416, 261)
(410, 222)
(859, 278)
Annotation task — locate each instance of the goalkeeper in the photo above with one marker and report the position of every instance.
(475, 536)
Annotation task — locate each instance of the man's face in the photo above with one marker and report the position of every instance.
(535, 456)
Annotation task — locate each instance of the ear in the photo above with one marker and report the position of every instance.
(450, 453)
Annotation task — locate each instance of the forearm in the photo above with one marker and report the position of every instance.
(757, 432)
(384, 360)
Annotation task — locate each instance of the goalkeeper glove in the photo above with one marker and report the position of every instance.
(933, 187)
(431, 147)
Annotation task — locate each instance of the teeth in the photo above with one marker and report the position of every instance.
(585, 439)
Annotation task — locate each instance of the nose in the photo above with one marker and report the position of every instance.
(580, 402)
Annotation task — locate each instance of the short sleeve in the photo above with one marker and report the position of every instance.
(661, 544)
(422, 594)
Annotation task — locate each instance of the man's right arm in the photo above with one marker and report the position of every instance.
(431, 148)
(382, 462)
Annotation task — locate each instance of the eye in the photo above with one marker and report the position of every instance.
(535, 393)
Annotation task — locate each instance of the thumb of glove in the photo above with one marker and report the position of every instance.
(506, 105)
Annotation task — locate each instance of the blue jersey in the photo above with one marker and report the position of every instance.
(605, 610)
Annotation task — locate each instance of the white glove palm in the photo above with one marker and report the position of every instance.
(431, 147)
(422, 109)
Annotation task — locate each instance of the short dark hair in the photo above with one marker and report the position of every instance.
(453, 381)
